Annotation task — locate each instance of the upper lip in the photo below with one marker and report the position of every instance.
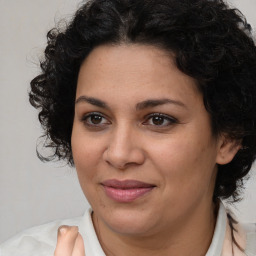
(126, 184)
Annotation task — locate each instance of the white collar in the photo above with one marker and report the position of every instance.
(218, 247)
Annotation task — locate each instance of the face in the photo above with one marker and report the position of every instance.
(142, 141)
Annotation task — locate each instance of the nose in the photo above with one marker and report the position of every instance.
(124, 148)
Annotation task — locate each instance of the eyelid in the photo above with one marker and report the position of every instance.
(89, 114)
(171, 119)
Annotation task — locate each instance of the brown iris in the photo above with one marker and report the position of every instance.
(157, 120)
(96, 119)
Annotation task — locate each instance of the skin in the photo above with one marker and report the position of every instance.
(119, 139)
(69, 242)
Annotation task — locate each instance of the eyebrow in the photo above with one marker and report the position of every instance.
(157, 102)
(139, 106)
(92, 101)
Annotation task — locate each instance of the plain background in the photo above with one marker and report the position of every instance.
(32, 192)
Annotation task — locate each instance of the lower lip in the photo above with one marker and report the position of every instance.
(126, 195)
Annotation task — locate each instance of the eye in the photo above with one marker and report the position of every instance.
(94, 119)
(161, 120)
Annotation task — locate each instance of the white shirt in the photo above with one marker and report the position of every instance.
(41, 240)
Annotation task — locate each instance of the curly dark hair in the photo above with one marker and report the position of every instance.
(211, 42)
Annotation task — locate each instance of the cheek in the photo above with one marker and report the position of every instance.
(188, 177)
(86, 157)
(185, 163)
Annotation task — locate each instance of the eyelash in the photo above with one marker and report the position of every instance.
(169, 119)
(165, 118)
(85, 118)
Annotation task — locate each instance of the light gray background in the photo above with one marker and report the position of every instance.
(32, 192)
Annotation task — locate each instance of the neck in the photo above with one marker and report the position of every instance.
(188, 237)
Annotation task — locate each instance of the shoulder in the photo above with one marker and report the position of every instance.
(40, 240)
(250, 230)
(235, 235)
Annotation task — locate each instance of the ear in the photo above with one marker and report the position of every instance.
(227, 149)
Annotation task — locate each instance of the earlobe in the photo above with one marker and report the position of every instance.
(227, 150)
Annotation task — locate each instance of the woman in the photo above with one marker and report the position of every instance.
(154, 103)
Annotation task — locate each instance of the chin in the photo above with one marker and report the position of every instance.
(128, 222)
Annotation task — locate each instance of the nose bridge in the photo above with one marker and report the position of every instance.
(124, 147)
(121, 135)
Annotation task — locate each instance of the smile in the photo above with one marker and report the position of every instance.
(127, 190)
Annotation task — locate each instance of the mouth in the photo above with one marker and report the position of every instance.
(126, 191)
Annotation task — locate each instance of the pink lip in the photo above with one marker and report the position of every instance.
(127, 190)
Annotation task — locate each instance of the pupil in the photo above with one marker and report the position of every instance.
(96, 119)
(157, 120)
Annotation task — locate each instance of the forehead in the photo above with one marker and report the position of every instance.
(133, 70)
